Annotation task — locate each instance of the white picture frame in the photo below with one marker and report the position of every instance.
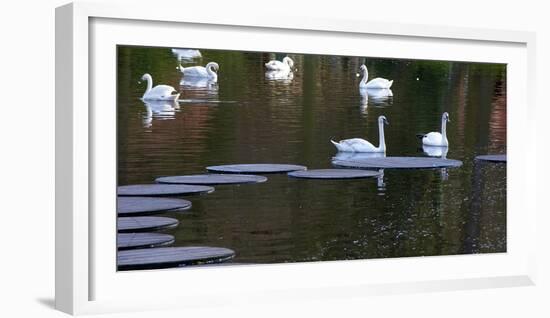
(87, 281)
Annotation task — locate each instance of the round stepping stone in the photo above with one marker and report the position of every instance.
(398, 163)
(127, 241)
(492, 158)
(132, 206)
(256, 168)
(162, 189)
(145, 224)
(212, 179)
(334, 174)
(165, 257)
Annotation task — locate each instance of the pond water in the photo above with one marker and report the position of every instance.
(248, 118)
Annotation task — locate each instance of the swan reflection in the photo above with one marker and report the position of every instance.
(280, 75)
(159, 110)
(186, 54)
(377, 97)
(198, 82)
(357, 155)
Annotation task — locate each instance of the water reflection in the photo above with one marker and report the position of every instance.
(187, 54)
(358, 156)
(197, 82)
(284, 76)
(160, 110)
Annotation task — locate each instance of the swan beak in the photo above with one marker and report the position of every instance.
(386, 122)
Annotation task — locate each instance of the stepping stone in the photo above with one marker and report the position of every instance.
(127, 241)
(166, 257)
(212, 179)
(492, 158)
(334, 174)
(162, 190)
(133, 206)
(256, 168)
(145, 224)
(398, 163)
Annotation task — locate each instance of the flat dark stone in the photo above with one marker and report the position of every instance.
(212, 179)
(127, 241)
(256, 168)
(334, 174)
(145, 224)
(492, 158)
(398, 163)
(165, 257)
(133, 206)
(162, 189)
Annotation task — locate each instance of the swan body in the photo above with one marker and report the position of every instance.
(435, 151)
(286, 65)
(376, 83)
(436, 138)
(361, 145)
(159, 92)
(186, 54)
(208, 71)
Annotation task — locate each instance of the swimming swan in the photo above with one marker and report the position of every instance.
(361, 145)
(159, 92)
(435, 138)
(208, 71)
(286, 65)
(376, 83)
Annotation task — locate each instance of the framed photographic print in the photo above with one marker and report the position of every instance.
(261, 157)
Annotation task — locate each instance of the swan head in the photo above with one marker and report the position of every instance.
(146, 77)
(383, 120)
(215, 67)
(445, 117)
(288, 61)
(362, 69)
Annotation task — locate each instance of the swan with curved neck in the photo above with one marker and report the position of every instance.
(286, 65)
(361, 145)
(209, 71)
(436, 138)
(377, 83)
(159, 92)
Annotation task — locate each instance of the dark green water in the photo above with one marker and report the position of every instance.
(246, 118)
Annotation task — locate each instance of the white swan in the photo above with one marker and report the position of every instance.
(286, 65)
(376, 83)
(435, 151)
(159, 92)
(208, 71)
(361, 145)
(436, 138)
(186, 54)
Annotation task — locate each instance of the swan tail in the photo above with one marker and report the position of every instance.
(337, 145)
(420, 136)
(390, 84)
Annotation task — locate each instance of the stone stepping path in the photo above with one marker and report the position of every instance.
(259, 168)
(166, 257)
(162, 190)
(127, 241)
(134, 206)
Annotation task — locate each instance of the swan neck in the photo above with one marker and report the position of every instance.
(365, 76)
(382, 140)
(444, 131)
(149, 84)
